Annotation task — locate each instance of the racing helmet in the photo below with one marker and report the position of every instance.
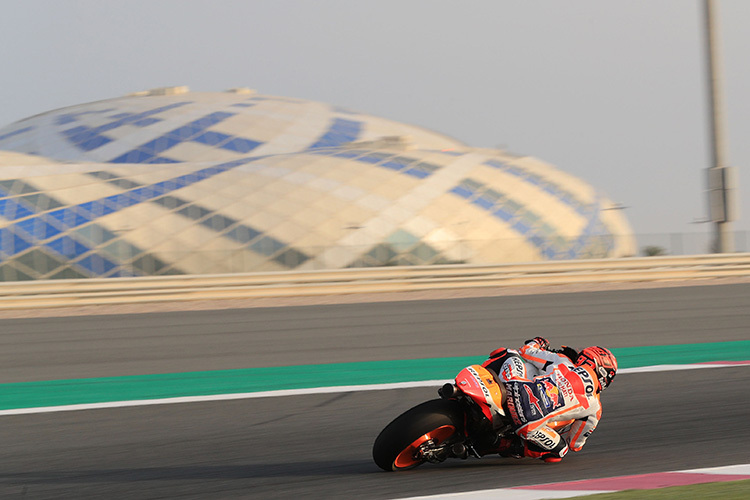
(601, 361)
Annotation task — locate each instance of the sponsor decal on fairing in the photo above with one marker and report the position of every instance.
(486, 391)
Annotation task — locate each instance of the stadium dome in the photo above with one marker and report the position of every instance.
(175, 182)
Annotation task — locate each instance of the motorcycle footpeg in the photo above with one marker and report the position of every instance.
(474, 451)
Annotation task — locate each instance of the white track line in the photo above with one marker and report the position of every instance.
(509, 494)
(303, 392)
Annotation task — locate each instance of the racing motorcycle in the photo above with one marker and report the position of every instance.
(467, 420)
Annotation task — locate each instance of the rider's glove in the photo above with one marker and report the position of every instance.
(569, 352)
(543, 343)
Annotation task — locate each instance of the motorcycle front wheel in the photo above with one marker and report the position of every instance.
(398, 445)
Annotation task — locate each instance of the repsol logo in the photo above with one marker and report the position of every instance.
(480, 382)
(543, 440)
(517, 365)
(588, 382)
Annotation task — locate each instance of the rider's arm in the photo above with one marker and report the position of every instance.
(533, 353)
(581, 429)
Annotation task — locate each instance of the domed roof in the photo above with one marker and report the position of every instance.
(235, 182)
(173, 125)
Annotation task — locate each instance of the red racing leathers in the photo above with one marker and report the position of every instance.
(559, 392)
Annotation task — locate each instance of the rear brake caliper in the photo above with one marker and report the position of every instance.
(432, 453)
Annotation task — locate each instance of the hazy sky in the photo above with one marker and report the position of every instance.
(613, 92)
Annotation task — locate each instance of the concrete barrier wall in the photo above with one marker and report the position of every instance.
(62, 293)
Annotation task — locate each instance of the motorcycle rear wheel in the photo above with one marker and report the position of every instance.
(397, 446)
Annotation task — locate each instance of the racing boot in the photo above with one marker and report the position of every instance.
(554, 455)
(557, 453)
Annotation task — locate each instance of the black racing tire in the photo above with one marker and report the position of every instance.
(439, 419)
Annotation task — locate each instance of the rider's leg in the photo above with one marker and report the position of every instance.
(542, 442)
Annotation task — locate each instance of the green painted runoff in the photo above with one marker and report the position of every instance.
(172, 385)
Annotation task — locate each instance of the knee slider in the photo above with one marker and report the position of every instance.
(549, 440)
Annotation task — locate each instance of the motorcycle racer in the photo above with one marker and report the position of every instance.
(542, 387)
(511, 364)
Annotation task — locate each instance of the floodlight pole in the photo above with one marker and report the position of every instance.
(721, 185)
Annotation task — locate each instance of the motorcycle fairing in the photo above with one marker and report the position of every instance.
(478, 383)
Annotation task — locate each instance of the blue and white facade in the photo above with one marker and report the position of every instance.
(174, 182)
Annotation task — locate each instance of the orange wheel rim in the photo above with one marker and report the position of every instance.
(407, 458)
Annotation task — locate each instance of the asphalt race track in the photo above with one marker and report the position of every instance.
(319, 446)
